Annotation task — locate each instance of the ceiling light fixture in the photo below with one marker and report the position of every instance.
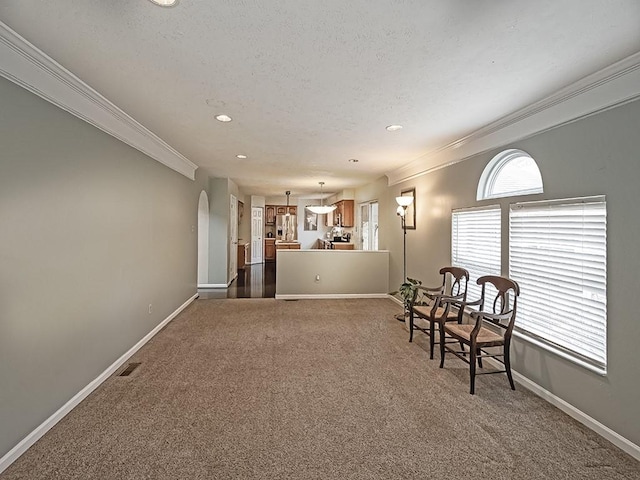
(165, 3)
(223, 118)
(321, 209)
(241, 156)
(393, 128)
(353, 160)
(287, 193)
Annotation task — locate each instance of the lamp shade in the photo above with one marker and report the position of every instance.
(404, 201)
(400, 210)
(321, 209)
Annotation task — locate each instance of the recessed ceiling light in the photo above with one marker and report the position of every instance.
(165, 3)
(223, 118)
(353, 160)
(393, 128)
(241, 156)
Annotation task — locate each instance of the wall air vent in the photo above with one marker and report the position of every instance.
(130, 368)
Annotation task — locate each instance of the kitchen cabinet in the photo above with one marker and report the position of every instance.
(287, 246)
(342, 215)
(269, 249)
(343, 246)
(271, 211)
(329, 245)
(324, 244)
(270, 215)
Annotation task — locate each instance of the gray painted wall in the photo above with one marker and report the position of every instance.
(91, 233)
(219, 204)
(596, 155)
(342, 272)
(220, 191)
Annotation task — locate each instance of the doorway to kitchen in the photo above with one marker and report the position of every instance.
(253, 281)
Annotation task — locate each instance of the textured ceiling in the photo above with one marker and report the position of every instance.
(311, 84)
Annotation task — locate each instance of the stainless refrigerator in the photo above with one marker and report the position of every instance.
(287, 228)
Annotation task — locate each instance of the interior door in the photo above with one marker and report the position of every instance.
(257, 231)
(233, 238)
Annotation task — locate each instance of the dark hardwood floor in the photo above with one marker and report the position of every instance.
(254, 281)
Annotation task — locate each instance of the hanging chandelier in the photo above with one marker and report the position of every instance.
(321, 209)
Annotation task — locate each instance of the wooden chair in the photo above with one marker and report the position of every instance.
(438, 311)
(488, 329)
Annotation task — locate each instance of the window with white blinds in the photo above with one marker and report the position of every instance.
(475, 244)
(510, 173)
(558, 255)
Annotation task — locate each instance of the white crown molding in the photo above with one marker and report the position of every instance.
(614, 85)
(27, 66)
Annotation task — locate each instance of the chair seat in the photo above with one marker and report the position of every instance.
(464, 331)
(425, 311)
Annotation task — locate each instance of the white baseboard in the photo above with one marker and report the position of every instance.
(324, 296)
(618, 440)
(215, 285)
(396, 299)
(43, 428)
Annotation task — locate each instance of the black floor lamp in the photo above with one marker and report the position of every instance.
(403, 202)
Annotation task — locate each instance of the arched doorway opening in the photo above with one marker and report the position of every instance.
(203, 239)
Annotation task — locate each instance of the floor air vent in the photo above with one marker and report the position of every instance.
(130, 368)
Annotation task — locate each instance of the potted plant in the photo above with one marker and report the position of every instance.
(407, 291)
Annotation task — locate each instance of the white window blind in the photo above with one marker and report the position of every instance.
(475, 244)
(558, 253)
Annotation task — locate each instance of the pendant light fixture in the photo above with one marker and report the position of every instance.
(321, 209)
(287, 193)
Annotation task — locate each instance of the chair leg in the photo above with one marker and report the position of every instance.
(442, 352)
(462, 349)
(507, 365)
(411, 325)
(432, 336)
(479, 355)
(472, 369)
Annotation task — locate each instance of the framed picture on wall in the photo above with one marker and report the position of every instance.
(310, 220)
(411, 209)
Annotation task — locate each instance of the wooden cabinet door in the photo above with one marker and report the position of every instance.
(269, 251)
(281, 210)
(270, 215)
(292, 210)
(347, 213)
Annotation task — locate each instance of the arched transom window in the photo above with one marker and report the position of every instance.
(510, 173)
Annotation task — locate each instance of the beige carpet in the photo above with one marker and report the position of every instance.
(317, 389)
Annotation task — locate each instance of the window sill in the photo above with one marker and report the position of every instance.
(602, 371)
